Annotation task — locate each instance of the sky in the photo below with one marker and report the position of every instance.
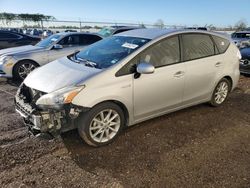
(178, 12)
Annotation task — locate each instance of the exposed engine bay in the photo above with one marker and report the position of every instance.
(40, 120)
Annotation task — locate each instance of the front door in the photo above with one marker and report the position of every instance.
(70, 45)
(162, 90)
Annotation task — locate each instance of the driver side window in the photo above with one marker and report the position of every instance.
(166, 52)
(68, 41)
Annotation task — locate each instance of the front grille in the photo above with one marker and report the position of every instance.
(25, 109)
(29, 95)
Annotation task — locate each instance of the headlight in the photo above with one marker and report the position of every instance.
(6, 60)
(57, 98)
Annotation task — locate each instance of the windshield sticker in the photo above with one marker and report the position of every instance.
(54, 39)
(129, 45)
(222, 43)
(114, 61)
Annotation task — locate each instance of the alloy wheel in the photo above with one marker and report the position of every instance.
(221, 92)
(105, 125)
(25, 69)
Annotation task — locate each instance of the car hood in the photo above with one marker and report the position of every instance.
(245, 53)
(59, 74)
(20, 50)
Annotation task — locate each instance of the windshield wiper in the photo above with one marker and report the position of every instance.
(86, 62)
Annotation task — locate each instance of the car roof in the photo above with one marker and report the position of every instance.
(76, 33)
(129, 27)
(242, 32)
(145, 33)
(156, 33)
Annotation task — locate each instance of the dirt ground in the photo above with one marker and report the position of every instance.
(200, 146)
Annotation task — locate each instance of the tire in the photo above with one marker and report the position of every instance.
(24, 67)
(95, 130)
(220, 93)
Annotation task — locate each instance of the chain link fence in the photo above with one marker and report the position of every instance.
(61, 25)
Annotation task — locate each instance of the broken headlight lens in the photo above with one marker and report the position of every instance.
(59, 97)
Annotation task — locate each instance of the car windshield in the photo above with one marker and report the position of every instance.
(106, 31)
(48, 41)
(109, 51)
(241, 35)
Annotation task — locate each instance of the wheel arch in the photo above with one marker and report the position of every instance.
(23, 60)
(230, 80)
(122, 106)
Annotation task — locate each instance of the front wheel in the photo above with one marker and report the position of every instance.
(221, 92)
(101, 124)
(22, 69)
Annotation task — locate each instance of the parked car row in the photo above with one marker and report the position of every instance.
(124, 79)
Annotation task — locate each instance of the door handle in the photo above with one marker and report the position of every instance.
(218, 64)
(179, 74)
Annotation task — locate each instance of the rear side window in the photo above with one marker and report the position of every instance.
(89, 39)
(221, 43)
(165, 52)
(197, 46)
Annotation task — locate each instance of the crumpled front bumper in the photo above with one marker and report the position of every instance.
(50, 119)
(40, 121)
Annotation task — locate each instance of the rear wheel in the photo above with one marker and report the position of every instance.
(22, 69)
(221, 92)
(101, 124)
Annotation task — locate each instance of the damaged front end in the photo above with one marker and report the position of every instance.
(51, 119)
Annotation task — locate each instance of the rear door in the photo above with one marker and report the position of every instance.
(202, 66)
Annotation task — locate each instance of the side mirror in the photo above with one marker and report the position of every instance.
(145, 68)
(57, 47)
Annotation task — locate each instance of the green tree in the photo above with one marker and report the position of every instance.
(159, 23)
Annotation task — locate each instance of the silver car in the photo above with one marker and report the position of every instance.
(126, 79)
(18, 62)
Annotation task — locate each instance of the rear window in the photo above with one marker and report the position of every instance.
(221, 43)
